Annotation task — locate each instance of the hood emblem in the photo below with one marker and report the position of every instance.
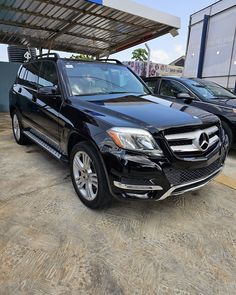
(203, 142)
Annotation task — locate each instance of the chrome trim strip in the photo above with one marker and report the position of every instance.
(184, 148)
(213, 140)
(139, 196)
(138, 187)
(190, 189)
(173, 188)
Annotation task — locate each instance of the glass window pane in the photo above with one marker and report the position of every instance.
(48, 74)
(31, 74)
(22, 73)
(151, 84)
(101, 78)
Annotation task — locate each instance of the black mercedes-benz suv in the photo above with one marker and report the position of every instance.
(119, 140)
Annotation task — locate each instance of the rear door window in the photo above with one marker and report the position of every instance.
(21, 75)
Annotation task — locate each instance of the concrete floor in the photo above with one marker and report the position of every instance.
(51, 244)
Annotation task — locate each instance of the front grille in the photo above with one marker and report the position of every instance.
(192, 143)
(180, 176)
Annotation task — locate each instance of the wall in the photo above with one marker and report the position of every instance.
(220, 52)
(7, 77)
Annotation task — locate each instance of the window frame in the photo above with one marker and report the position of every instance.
(172, 80)
(57, 73)
(23, 81)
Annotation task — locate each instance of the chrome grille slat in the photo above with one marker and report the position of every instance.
(185, 148)
(177, 140)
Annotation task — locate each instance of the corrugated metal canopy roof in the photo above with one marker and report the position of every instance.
(96, 27)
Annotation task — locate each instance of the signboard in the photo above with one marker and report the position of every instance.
(155, 69)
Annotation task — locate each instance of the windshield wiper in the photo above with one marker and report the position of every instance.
(116, 92)
(106, 93)
(120, 92)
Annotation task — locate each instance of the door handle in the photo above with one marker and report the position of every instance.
(20, 90)
(34, 98)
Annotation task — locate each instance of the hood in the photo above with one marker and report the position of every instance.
(229, 103)
(143, 111)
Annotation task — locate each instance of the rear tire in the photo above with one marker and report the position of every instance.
(228, 132)
(88, 176)
(17, 129)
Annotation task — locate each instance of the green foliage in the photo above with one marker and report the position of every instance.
(83, 57)
(140, 54)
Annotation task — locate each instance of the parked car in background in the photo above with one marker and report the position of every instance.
(199, 93)
(119, 140)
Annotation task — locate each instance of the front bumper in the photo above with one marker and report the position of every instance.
(133, 176)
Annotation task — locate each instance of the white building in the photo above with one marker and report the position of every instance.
(211, 48)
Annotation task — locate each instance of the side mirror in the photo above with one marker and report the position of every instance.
(184, 95)
(49, 90)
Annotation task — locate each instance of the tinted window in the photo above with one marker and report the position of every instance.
(87, 78)
(171, 88)
(48, 74)
(151, 84)
(21, 74)
(30, 76)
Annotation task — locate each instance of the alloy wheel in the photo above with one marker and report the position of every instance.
(85, 176)
(16, 127)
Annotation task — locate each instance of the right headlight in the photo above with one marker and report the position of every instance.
(135, 139)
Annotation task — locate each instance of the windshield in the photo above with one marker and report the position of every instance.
(209, 90)
(91, 78)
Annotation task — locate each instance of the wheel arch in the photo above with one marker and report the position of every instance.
(227, 121)
(231, 126)
(11, 110)
(75, 138)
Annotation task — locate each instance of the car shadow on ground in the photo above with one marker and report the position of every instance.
(232, 153)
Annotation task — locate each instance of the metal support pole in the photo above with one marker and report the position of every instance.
(203, 46)
(149, 59)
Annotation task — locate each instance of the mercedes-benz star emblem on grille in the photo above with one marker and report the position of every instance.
(203, 142)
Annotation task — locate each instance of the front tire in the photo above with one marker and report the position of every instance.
(88, 176)
(17, 129)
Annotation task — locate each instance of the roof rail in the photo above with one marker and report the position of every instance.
(55, 55)
(110, 59)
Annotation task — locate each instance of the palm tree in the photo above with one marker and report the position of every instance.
(140, 54)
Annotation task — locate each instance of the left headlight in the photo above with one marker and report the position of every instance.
(135, 139)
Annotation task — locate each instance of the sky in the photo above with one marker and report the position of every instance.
(164, 49)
